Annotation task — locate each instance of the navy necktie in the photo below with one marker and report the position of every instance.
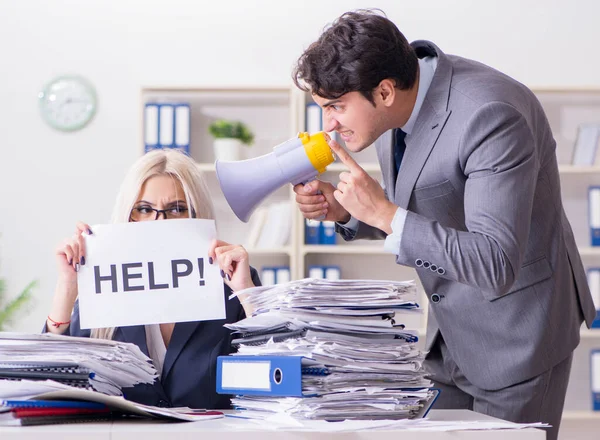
(399, 148)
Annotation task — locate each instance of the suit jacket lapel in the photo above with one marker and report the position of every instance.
(181, 334)
(431, 120)
(429, 126)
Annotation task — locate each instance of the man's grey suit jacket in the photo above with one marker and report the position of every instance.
(486, 230)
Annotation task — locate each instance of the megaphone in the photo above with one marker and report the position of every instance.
(246, 183)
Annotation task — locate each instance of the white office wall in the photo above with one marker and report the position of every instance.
(49, 180)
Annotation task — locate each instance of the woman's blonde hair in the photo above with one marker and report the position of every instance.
(171, 163)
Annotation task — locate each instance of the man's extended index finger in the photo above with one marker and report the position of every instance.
(345, 157)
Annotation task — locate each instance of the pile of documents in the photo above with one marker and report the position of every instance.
(103, 365)
(359, 358)
(25, 403)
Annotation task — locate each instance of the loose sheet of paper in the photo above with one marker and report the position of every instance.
(150, 273)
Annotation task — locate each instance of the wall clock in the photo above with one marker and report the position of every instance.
(68, 103)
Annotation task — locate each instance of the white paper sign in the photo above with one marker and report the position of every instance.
(149, 273)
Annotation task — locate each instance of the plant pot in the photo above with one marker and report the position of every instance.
(228, 149)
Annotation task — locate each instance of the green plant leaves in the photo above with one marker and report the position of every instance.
(223, 128)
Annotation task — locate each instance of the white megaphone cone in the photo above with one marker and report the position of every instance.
(247, 183)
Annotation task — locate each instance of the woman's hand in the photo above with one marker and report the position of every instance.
(234, 263)
(70, 255)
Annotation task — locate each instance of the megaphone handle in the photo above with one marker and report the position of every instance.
(319, 193)
(321, 217)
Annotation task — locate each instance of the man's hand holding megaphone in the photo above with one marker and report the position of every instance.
(357, 195)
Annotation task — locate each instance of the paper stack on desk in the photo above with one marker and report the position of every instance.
(25, 402)
(106, 366)
(321, 349)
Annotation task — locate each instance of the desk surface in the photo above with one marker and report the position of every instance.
(230, 428)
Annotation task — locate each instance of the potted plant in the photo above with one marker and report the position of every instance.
(8, 312)
(229, 138)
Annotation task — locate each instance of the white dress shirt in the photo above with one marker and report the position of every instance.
(156, 346)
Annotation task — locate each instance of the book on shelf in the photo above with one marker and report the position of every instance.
(327, 272)
(167, 125)
(257, 221)
(276, 230)
(586, 144)
(594, 214)
(271, 275)
(319, 232)
(327, 232)
(595, 379)
(593, 278)
(312, 231)
(314, 120)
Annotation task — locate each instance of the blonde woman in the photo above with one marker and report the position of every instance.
(162, 185)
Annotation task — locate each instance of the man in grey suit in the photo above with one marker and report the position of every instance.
(475, 208)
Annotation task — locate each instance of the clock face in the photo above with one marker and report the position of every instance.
(68, 103)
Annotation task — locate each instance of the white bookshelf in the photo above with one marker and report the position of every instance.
(286, 250)
(590, 333)
(343, 249)
(589, 251)
(581, 415)
(575, 169)
(206, 167)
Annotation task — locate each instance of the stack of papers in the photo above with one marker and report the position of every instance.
(361, 358)
(28, 402)
(103, 365)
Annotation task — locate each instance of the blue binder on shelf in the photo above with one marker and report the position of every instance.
(267, 276)
(593, 279)
(182, 127)
(282, 274)
(327, 233)
(325, 272)
(150, 127)
(312, 231)
(314, 118)
(594, 214)
(167, 125)
(595, 379)
(271, 275)
(333, 273)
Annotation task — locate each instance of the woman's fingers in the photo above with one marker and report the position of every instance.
(81, 245)
(66, 250)
(67, 253)
(228, 258)
(82, 227)
(76, 254)
(212, 249)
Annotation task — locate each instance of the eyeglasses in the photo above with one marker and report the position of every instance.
(144, 213)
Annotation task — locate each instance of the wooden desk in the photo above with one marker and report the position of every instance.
(239, 429)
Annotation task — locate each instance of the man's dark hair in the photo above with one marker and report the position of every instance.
(354, 54)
